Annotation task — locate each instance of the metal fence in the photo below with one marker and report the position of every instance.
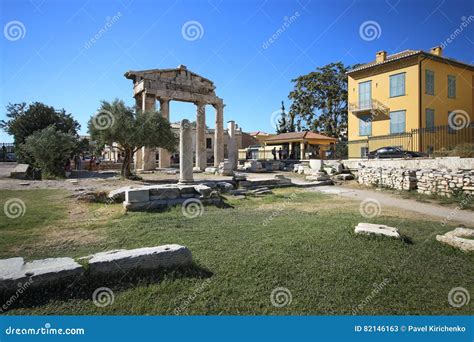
(427, 140)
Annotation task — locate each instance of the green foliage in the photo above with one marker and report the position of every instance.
(461, 150)
(283, 122)
(50, 148)
(130, 129)
(320, 101)
(24, 120)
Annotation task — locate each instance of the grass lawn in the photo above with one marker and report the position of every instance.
(308, 247)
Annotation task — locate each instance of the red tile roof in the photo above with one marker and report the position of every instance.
(409, 53)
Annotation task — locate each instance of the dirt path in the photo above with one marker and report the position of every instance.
(446, 215)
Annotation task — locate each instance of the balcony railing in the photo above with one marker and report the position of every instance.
(373, 107)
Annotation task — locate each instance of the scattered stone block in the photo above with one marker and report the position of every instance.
(197, 170)
(118, 195)
(462, 238)
(203, 190)
(148, 258)
(225, 168)
(20, 171)
(164, 192)
(377, 229)
(315, 164)
(187, 191)
(239, 177)
(320, 176)
(225, 186)
(137, 195)
(14, 272)
(344, 177)
(210, 170)
(238, 192)
(253, 166)
(40, 273)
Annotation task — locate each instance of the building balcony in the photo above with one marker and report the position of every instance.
(376, 109)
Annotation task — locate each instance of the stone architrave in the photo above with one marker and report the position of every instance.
(232, 145)
(185, 153)
(201, 158)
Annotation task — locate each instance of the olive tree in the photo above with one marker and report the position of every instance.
(130, 130)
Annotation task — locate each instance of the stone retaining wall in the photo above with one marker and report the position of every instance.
(450, 163)
(439, 182)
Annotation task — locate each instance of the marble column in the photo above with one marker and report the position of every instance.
(201, 158)
(219, 134)
(302, 151)
(232, 144)
(138, 158)
(165, 155)
(148, 153)
(185, 152)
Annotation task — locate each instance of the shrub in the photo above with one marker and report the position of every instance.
(462, 150)
(50, 149)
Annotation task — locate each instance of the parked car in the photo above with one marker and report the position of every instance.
(394, 152)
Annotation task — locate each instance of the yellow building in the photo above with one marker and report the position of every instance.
(420, 101)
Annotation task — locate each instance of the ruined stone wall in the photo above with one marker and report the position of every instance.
(438, 182)
(399, 179)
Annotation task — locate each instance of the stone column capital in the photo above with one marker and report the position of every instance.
(200, 103)
(164, 99)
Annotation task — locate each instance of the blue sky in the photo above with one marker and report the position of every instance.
(47, 59)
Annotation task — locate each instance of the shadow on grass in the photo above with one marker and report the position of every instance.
(84, 287)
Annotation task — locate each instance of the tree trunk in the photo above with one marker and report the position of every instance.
(125, 171)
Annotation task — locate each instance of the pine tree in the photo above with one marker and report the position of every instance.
(282, 126)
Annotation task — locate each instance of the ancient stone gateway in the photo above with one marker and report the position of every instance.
(178, 84)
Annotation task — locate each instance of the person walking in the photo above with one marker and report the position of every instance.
(274, 153)
(280, 153)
